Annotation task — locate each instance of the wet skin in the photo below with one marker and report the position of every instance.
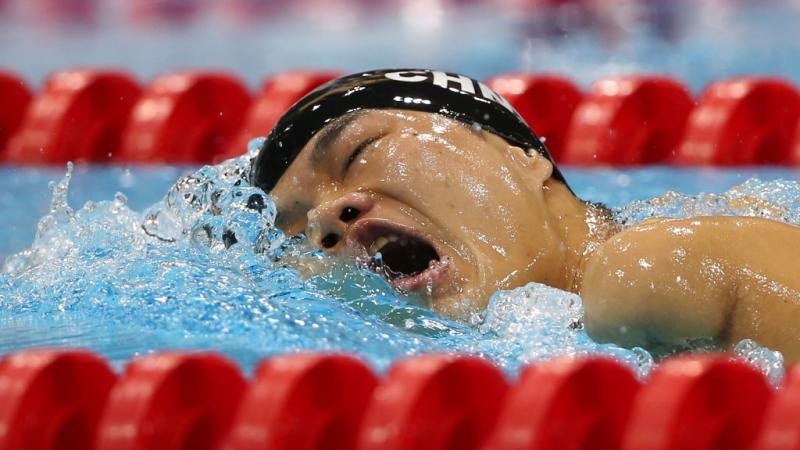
(457, 213)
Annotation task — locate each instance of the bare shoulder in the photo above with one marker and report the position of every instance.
(665, 280)
(712, 235)
(640, 248)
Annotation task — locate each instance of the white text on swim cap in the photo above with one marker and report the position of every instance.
(449, 81)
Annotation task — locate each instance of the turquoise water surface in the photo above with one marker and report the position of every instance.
(129, 274)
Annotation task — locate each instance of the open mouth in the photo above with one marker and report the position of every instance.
(406, 259)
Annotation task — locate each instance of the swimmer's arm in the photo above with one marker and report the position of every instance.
(678, 281)
(642, 288)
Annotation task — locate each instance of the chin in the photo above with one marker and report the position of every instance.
(467, 293)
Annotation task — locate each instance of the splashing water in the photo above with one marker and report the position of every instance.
(775, 200)
(768, 361)
(206, 268)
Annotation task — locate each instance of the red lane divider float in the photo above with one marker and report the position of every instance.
(628, 120)
(546, 102)
(277, 95)
(698, 403)
(65, 399)
(781, 427)
(51, 399)
(434, 402)
(202, 117)
(16, 97)
(566, 404)
(185, 118)
(304, 402)
(78, 116)
(171, 401)
(742, 121)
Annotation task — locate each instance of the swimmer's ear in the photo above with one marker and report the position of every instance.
(535, 164)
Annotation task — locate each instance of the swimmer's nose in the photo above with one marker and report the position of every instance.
(328, 222)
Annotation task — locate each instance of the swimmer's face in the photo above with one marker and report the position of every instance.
(456, 213)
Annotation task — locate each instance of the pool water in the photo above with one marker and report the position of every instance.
(198, 263)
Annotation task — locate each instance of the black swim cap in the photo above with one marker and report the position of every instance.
(448, 94)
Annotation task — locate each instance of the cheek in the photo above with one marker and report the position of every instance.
(498, 213)
(475, 194)
(412, 171)
(514, 247)
(435, 175)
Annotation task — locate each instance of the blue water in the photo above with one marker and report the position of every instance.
(24, 190)
(149, 269)
(124, 278)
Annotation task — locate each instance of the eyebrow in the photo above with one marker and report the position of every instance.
(330, 134)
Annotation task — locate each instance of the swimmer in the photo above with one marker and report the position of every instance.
(433, 179)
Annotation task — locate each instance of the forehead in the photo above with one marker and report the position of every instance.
(368, 119)
(349, 130)
(349, 126)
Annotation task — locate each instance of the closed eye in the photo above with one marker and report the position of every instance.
(358, 150)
